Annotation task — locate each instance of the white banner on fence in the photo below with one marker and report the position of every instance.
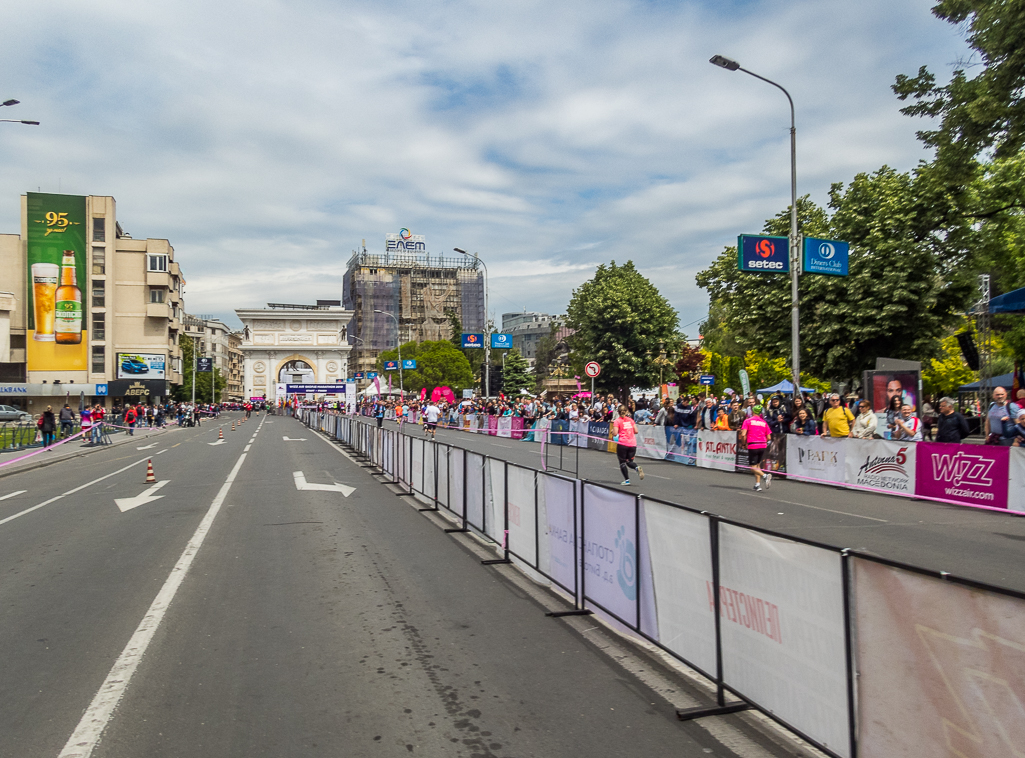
(717, 450)
(475, 490)
(417, 468)
(443, 452)
(881, 464)
(455, 481)
(495, 493)
(941, 667)
(610, 550)
(1016, 480)
(505, 426)
(681, 563)
(783, 631)
(558, 502)
(580, 438)
(651, 442)
(541, 430)
(822, 458)
(522, 534)
(430, 451)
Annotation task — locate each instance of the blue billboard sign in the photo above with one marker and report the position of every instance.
(501, 341)
(758, 254)
(359, 375)
(707, 379)
(314, 389)
(391, 366)
(473, 340)
(825, 256)
(101, 390)
(371, 375)
(409, 364)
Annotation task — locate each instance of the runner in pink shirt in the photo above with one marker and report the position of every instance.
(626, 443)
(756, 432)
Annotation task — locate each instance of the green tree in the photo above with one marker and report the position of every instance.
(517, 375)
(438, 364)
(205, 380)
(620, 317)
(944, 374)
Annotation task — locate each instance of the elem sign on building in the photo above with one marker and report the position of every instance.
(57, 338)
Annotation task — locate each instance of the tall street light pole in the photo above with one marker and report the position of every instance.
(487, 328)
(398, 341)
(795, 243)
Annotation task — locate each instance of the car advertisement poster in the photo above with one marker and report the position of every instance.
(57, 338)
(147, 365)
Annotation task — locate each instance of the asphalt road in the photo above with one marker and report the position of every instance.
(239, 616)
(983, 545)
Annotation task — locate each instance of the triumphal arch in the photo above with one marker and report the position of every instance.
(282, 342)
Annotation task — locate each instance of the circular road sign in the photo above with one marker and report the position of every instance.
(592, 369)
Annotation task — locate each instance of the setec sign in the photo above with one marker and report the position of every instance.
(763, 255)
(473, 340)
(825, 256)
(391, 366)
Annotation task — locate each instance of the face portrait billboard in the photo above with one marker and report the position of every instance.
(57, 337)
(883, 386)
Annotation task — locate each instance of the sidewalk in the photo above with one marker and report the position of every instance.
(27, 459)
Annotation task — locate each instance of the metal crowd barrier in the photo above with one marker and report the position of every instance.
(858, 655)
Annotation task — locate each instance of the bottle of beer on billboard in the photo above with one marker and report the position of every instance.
(67, 326)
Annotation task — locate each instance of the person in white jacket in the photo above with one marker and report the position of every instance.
(866, 422)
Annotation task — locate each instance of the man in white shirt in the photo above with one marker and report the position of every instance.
(908, 425)
(432, 413)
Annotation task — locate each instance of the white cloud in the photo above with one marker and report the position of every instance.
(267, 139)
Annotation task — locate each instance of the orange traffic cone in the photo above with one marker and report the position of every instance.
(150, 477)
(220, 433)
(232, 426)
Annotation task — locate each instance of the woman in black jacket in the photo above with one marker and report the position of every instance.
(48, 426)
(777, 417)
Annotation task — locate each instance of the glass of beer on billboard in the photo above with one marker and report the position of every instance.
(44, 289)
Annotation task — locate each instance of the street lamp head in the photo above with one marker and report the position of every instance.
(460, 251)
(10, 102)
(31, 123)
(723, 62)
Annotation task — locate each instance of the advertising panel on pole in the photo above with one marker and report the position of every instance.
(610, 551)
(717, 450)
(881, 465)
(57, 317)
(408, 364)
(706, 380)
(204, 365)
(814, 457)
(782, 630)
(359, 375)
(940, 666)
(501, 341)
(825, 256)
(391, 366)
(473, 340)
(971, 474)
(350, 395)
(681, 566)
(145, 365)
(759, 254)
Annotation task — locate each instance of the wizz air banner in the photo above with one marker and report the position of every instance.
(972, 474)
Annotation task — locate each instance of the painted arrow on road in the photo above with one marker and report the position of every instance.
(147, 447)
(147, 496)
(297, 439)
(302, 484)
(219, 442)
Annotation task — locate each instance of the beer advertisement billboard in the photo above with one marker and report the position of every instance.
(57, 334)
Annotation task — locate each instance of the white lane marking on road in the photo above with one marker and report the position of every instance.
(496, 444)
(147, 496)
(656, 476)
(816, 507)
(247, 447)
(219, 442)
(12, 494)
(164, 450)
(147, 447)
(96, 717)
(297, 439)
(71, 492)
(302, 484)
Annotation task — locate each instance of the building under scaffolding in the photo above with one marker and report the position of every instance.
(419, 289)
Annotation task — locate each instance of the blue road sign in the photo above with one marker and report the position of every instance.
(707, 379)
(391, 365)
(501, 341)
(473, 340)
(825, 256)
(409, 364)
(758, 254)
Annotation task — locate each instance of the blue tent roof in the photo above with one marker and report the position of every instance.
(786, 387)
(1004, 380)
(1011, 302)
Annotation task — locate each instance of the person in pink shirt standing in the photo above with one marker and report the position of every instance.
(626, 443)
(755, 432)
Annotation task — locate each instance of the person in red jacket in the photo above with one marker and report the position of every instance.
(130, 418)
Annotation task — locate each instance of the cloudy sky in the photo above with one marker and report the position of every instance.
(266, 139)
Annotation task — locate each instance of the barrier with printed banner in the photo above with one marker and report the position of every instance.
(822, 458)
(881, 465)
(717, 450)
(972, 474)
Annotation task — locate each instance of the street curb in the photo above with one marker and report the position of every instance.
(44, 462)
